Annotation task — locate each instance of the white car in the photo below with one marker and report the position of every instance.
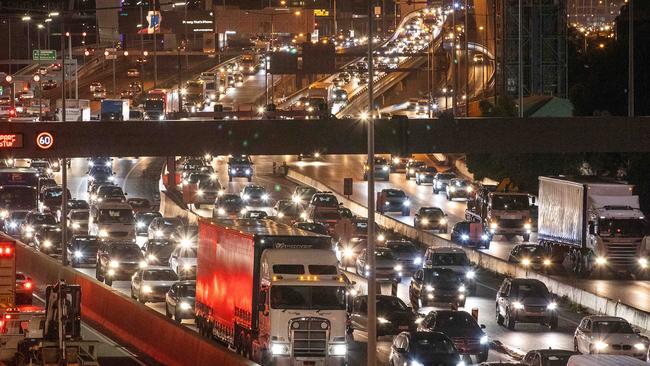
(94, 86)
(150, 284)
(133, 73)
(183, 261)
(600, 334)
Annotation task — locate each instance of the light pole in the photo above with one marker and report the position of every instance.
(27, 19)
(37, 78)
(630, 56)
(520, 51)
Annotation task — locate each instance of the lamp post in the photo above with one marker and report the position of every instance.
(37, 78)
(27, 19)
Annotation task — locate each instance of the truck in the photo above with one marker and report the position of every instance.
(75, 110)
(271, 291)
(159, 102)
(192, 96)
(114, 110)
(321, 92)
(503, 211)
(250, 62)
(595, 221)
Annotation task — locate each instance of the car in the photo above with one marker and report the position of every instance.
(303, 194)
(454, 259)
(437, 286)
(425, 174)
(393, 200)
(362, 79)
(26, 94)
(423, 348)
(255, 215)
(393, 316)
(431, 218)
(287, 211)
(100, 174)
(255, 195)
(398, 164)
(82, 249)
(208, 188)
(127, 94)
(179, 301)
(338, 82)
(422, 107)
(13, 221)
(351, 237)
(183, 262)
(314, 227)
(412, 167)
(471, 233)
(207, 76)
(42, 70)
(118, 260)
(407, 253)
(141, 60)
(543, 357)
(324, 200)
(345, 76)
(43, 167)
(387, 267)
(108, 193)
(24, 289)
(531, 255)
(77, 221)
(459, 188)
(49, 84)
(381, 169)
(412, 104)
(33, 222)
(47, 239)
(133, 73)
(150, 284)
(99, 93)
(135, 86)
(345, 212)
(240, 166)
(601, 334)
(185, 235)
(525, 300)
(441, 181)
(157, 251)
(139, 204)
(228, 205)
(142, 221)
(468, 336)
(163, 227)
(51, 198)
(56, 67)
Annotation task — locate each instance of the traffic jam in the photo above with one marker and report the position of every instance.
(307, 262)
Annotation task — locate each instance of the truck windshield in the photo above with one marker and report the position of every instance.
(119, 216)
(621, 227)
(17, 197)
(512, 203)
(153, 104)
(449, 259)
(308, 297)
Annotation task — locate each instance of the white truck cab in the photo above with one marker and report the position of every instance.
(112, 221)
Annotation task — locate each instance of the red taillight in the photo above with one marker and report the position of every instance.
(28, 285)
(12, 112)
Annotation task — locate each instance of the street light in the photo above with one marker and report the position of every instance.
(27, 19)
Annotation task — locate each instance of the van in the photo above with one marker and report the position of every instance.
(112, 221)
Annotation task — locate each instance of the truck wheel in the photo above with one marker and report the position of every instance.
(74, 263)
(108, 281)
(499, 317)
(167, 312)
(417, 181)
(197, 205)
(98, 276)
(140, 298)
(406, 212)
(177, 317)
(365, 177)
(482, 357)
(526, 237)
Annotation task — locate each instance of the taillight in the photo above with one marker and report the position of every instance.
(28, 285)
(12, 112)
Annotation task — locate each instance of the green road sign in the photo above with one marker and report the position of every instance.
(49, 55)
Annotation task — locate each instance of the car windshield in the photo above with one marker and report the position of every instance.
(39, 164)
(172, 222)
(529, 289)
(77, 204)
(110, 191)
(44, 219)
(510, 202)
(147, 217)
(100, 170)
(402, 247)
(445, 176)
(56, 193)
(440, 275)
(239, 161)
(117, 216)
(313, 227)
(380, 161)
(454, 320)
(621, 227)
(449, 259)
(125, 251)
(255, 191)
(305, 191)
(325, 200)
(187, 290)
(556, 360)
(10, 196)
(153, 104)
(288, 208)
(433, 212)
(427, 349)
(384, 254)
(308, 297)
(459, 183)
(389, 304)
(609, 327)
(159, 275)
(18, 215)
(79, 215)
(231, 200)
(394, 193)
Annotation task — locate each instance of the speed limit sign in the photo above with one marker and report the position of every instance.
(44, 140)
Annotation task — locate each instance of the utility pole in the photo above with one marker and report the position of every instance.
(466, 34)
(155, 49)
(454, 58)
(520, 51)
(335, 26)
(142, 56)
(372, 284)
(630, 56)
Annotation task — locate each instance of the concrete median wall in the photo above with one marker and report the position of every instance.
(591, 301)
(126, 320)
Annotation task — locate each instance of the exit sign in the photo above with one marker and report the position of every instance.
(49, 55)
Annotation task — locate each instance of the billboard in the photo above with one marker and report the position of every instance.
(173, 21)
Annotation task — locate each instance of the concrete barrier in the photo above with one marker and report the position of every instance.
(589, 300)
(126, 320)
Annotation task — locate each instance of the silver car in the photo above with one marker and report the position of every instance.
(609, 335)
(78, 221)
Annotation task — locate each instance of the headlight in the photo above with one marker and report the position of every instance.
(187, 267)
(384, 168)
(246, 197)
(48, 170)
(527, 226)
(139, 225)
(113, 264)
(525, 262)
(221, 211)
(243, 211)
(4, 214)
(417, 260)
(76, 225)
(551, 306)
(396, 161)
(485, 237)
(398, 267)
(383, 320)
(152, 258)
(464, 237)
(461, 288)
(411, 171)
(103, 234)
(425, 221)
(13, 225)
(159, 233)
(233, 171)
(415, 363)
(643, 262)
(640, 346)
(494, 225)
(185, 306)
(429, 288)
(407, 203)
(247, 171)
(265, 197)
(470, 188)
(91, 178)
(142, 264)
(452, 189)
(161, 117)
(147, 289)
(381, 237)
(338, 350)
(600, 345)
(601, 261)
(517, 305)
(280, 215)
(29, 228)
(443, 221)
(279, 349)
(295, 199)
(460, 363)
(470, 274)
(47, 243)
(78, 254)
(484, 340)
(111, 272)
(303, 215)
(348, 252)
(199, 192)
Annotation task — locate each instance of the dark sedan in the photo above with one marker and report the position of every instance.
(530, 255)
(430, 218)
(393, 316)
(314, 227)
(407, 253)
(471, 234)
(425, 175)
(179, 302)
(83, 250)
(468, 337)
(47, 239)
(424, 349)
(439, 285)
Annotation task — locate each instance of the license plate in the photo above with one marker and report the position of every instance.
(403, 327)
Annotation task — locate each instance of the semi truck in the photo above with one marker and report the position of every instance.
(250, 62)
(271, 291)
(114, 110)
(159, 102)
(75, 110)
(596, 221)
(502, 213)
(320, 92)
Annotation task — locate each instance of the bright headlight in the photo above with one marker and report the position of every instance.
(600, 345)
(113, 264)
(384, 168)
(464, 237)
(295, 199)
(383, 320)
(187, 267)
(243, 211)
(461, 288)
(246, 197)
(527, 226)
(348, 252)
(139, 225)
(247, 171)
(417, 260)
(199, 192)
(233, 171)
(640, 346)
(152, 258)
(147, 289)
(381, 237)
(494, 225)
(47, 243)
(484, 340)
(443, 221)
(415, 363)
(76, 225)
(185, 306)
(470, 188)
(398, 267)
(470, 274)
(429, 288)
(159, 233)
(103, 234)
(452, 189)
(4, 214)
(303, 215)
(517, 305)
(407, 203)
(601, 261)
(221, 211)
(279, 349)
(643, 262)
(78, 254)
(396, 160)
(525, 262)
(13, 225)
(551, 306)
(265, 197)
(142, 264)
(280, 215)
(338, 350)
(485, 237)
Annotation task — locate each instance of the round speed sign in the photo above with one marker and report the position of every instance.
(44, 140)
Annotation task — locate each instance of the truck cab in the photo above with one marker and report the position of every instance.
(303, 289)
(112, 221)
(502, 213)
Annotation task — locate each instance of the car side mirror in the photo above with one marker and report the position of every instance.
(482, 326)
(636, 330)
